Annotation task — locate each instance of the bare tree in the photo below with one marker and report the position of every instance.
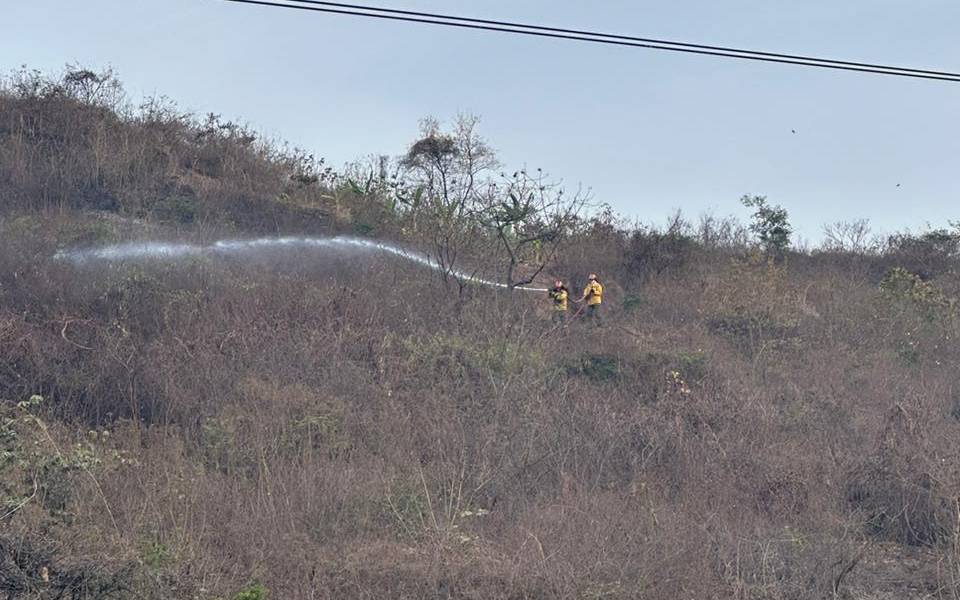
(448, 166)
(98, 89)
(722, 232)
(849, 236)
(515, 224)
(530, 218)
(442, 172)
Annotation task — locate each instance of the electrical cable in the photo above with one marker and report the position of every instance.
(613, 36)
(598, 38)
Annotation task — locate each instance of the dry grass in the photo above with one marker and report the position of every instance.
(738, 429)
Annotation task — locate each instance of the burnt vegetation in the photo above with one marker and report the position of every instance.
(752, 421)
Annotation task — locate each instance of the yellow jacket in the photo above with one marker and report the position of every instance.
(593, 293)
(559, 296)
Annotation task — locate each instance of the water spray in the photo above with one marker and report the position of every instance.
(173, 251)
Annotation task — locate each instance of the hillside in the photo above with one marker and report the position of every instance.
(748, 423)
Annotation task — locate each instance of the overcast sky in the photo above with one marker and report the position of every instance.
(647, 131)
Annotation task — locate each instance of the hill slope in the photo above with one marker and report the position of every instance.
(307, 426)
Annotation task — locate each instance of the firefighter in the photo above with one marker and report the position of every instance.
(559, 294)
(593, 296)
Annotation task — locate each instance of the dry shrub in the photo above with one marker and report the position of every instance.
(332, 426)
(74, 142)
(289, 422)
(907, 494)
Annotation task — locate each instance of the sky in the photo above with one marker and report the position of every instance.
(648, 132)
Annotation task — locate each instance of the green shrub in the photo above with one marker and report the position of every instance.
(632, 302)
(33, 465)
(596, 367)
(770, 223)
(901, 288)
(363, 229)
(157, 555)
(176, 209)
(22, 227)
(693, 365)
(79, 232)
(648, 370)
(930, 253)
(405, 508)
(456, 356)
(749, 331)
(677, 369)
(255, 591)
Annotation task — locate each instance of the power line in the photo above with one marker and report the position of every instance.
(614, 36)
(574, 35)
